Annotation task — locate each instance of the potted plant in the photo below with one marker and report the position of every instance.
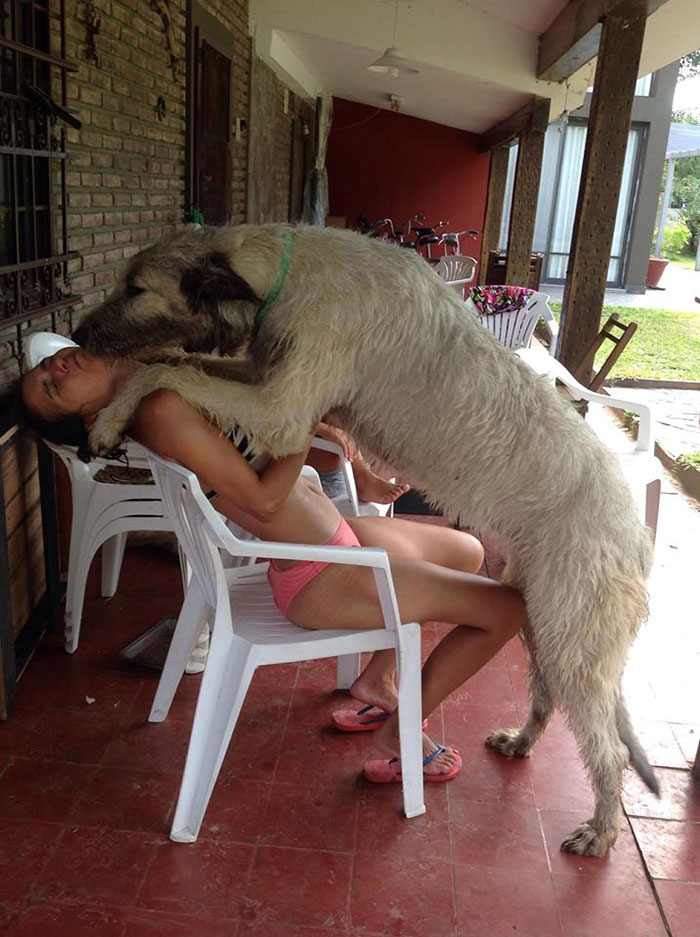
(676, 238)
(655, 270)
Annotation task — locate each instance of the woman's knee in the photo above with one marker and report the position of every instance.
(472, 550)
(458, 550)
(512, 614)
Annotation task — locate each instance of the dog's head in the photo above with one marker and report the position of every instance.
(180, 292)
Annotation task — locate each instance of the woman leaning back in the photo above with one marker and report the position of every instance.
(433, 568)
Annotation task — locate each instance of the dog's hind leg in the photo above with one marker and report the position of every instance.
(592, 716)
(518, 743)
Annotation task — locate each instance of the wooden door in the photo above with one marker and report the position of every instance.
(211, 170)
(296, 181)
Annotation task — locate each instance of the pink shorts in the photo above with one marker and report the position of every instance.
(286, 583)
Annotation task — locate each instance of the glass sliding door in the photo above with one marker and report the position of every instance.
(564, 204)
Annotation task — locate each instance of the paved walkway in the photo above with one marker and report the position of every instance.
(680, 287)
(677, 415)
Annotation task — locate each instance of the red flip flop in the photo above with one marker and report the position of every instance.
(364, 720)
(387, 771)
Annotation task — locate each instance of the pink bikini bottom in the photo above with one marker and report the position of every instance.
(286, 583)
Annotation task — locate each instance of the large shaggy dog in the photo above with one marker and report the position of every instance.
(367, 329)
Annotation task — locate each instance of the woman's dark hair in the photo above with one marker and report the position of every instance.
(63, 431)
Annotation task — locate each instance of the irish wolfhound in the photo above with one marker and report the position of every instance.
(367, 329)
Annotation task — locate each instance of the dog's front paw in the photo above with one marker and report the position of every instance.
(586, 840)
(105, 436)
(512, 743)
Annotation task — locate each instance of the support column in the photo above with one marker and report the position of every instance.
(526, 188)
(601, 177)
(665, 206)
(498, 171)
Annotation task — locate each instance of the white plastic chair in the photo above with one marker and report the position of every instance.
(515, 329)
(103, 513)
(350, 505)
(640, 466)
(248, 631)
(457, 270)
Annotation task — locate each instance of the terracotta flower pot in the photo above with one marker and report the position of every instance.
(655, 271)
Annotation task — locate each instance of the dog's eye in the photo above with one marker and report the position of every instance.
(133, 290)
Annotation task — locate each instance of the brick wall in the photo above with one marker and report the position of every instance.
(126, 168)
(274, 110)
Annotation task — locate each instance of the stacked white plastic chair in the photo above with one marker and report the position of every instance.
(515, 328)
(103, 513)
(248, 631)
(457, 270)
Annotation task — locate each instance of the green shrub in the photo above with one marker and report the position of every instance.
(689, 460)
(676, 238)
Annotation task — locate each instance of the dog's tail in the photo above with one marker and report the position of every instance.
(638, 757)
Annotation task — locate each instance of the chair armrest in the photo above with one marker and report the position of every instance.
(345, 467)
(375, 558)
(543, 363)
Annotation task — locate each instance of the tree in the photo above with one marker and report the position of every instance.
(685, 117)
(690, 66)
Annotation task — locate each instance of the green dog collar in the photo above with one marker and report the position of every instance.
(262, 312)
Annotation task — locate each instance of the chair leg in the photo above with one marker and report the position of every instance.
(410, 720)
(75, 599)
(653, 499)
(112, 556)
(189, 626)
(224, 687)
(348, 670)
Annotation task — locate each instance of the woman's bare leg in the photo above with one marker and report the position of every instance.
(373, 487)
(453, 549)
(487, 614)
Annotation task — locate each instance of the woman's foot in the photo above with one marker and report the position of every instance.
(374, 488)
(440, 762)
(377, 692)
(386, 739)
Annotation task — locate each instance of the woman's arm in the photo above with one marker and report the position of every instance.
(174, 429)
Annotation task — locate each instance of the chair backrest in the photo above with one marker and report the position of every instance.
(514, 328)
(202, 532)
(457, 270)
(582, 370)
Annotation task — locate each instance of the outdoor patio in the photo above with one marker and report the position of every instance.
(295, 843)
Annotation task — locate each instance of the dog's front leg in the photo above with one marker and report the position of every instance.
(277, 420)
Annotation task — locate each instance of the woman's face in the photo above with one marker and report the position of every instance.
(71, 382)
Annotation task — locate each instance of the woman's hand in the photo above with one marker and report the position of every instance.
(340, 438)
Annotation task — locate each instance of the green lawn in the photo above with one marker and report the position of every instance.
(683, 260)
(666, 345)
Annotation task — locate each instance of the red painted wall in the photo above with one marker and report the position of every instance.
(390, 165)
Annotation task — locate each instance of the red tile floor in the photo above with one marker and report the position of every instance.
(295, 843)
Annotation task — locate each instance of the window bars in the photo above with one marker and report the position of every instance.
(34, 278)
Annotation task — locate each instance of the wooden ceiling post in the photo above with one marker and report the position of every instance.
(498, 170)
(526, 188)
(601, 178)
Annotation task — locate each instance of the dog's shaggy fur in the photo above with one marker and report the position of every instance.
(368, 329)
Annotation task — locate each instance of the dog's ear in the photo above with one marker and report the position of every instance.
(214, 280)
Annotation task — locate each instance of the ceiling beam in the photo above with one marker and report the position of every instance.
(574, 36)
(531, 116)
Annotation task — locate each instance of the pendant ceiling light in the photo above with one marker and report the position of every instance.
(391, 62)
